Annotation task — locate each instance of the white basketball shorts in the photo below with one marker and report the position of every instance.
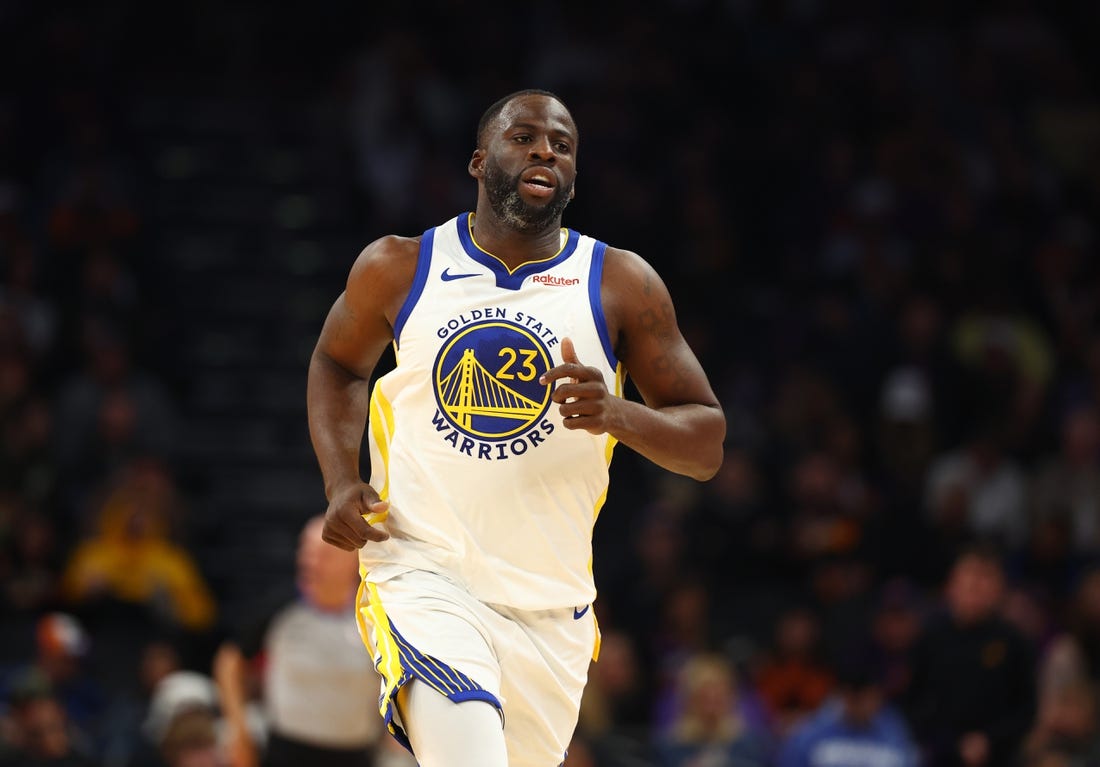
(531, 665)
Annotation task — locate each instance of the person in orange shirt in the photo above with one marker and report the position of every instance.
(792, 680)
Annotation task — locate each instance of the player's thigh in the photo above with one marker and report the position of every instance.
(423, 626)
(447, 734)
(545, 668)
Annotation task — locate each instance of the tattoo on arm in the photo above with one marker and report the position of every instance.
(669, 366)
(658, 321)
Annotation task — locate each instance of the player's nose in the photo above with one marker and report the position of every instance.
(542, 149)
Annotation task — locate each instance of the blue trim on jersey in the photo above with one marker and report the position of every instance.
(441, 677)
(420, 279)
(595, 279)
(505, 279)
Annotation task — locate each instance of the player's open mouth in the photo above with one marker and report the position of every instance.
(539, 182)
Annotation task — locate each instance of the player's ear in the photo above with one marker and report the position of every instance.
(476, 167)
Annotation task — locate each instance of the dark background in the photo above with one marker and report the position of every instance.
(877, 220)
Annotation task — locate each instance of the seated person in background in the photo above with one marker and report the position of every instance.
(708, 727)
(131, 582)
(972, 695)
(132, 558)
(854, 728)
(60, 671)
(43, 735)
(792, 678)
(318, 686)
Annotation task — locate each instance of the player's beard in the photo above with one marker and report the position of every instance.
(502, 191)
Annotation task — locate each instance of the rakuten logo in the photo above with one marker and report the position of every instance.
(549, 279)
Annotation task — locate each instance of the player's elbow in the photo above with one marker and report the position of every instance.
(708, 467)
(710, 452)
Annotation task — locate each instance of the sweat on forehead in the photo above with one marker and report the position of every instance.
(498, 106)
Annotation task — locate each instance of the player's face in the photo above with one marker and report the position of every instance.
(530, 163)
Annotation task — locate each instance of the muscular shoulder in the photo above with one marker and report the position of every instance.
(383, 272)
(625, 265)
(391, 258)
(633, 294)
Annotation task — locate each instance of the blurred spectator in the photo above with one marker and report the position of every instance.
(894, 627)
(657, 566)
(26, 453)
(981, 483)
(108, 292)
(857, 727)
(1029, 610)
(192, 741)
(683, 630)
(793, 678)
(616, 705)
(840, 587)
(21, 294)
(131, 582)
(131, 558)
(94, 206)
(60, 671)
(16, 373)
(1067, 484)
(109, 413)
(30, 584)
(317, 684)
(43, 735)
(1072, 659)
(972, 694)
(708, 726)
(125, 742)
(1007, 357)
(1067, 725)
(827, 518)
(906, 430)
(1048, 563)
(181, 724)
(733, 536)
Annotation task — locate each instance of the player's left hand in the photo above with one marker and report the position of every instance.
(583, 399)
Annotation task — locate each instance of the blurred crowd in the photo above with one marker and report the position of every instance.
(878, 222)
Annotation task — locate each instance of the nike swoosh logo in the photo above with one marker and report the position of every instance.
(578, 614)
(447, 276)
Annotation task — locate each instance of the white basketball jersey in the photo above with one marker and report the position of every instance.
(485, 484)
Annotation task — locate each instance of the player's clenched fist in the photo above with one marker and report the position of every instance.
(346, 524)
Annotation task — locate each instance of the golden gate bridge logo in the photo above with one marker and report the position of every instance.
(486, 380)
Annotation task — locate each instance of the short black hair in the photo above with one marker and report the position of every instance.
(495, 108)
(986, 550)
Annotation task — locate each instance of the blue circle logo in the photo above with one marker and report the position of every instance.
(487, 380)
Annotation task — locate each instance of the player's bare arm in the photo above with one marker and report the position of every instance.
(680, 426)
(356, 332)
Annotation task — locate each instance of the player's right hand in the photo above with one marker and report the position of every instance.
(346, 524)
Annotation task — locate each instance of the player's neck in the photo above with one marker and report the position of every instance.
(512, 246)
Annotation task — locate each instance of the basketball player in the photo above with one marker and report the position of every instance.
(490, 443)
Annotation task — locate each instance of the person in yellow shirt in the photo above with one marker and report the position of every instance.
(132, 558)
